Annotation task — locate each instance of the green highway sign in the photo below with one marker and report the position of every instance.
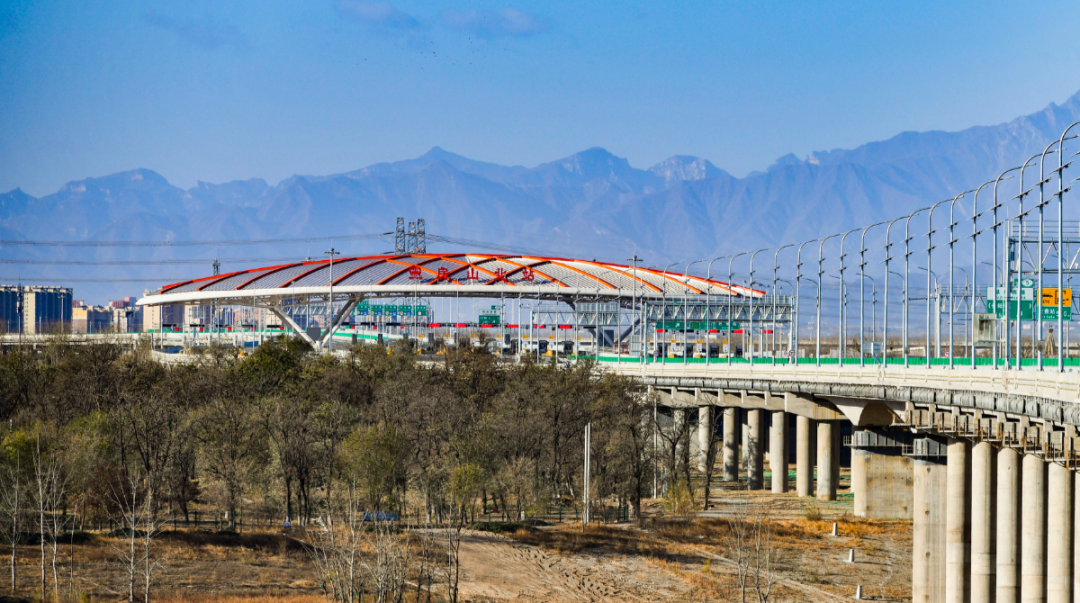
(366, 309)
(1027, 311)
(995, 300)
(493, 316)
(1050, 313)
(995, 303)
(997, 308)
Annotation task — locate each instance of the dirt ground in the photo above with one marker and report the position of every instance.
(676, 559)
(691, 561)
(669, 559)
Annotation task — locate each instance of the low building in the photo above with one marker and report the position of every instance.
(92, 319)
(126, 317)
(34, 309)
(9, 308)
(46, 309)
(127, 320)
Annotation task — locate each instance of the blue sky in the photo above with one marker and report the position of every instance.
(218, 91)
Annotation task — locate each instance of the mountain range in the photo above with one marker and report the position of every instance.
(592, 204)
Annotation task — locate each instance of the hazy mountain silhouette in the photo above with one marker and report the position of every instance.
(590, 204)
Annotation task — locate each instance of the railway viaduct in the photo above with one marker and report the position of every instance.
(982, 461)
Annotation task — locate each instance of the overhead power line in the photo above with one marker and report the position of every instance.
(218, 243)
(16, 279)
(233, 242)
(145, 262)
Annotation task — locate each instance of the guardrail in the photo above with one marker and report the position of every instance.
(851, 379)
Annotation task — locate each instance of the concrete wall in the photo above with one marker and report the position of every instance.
(882, 484)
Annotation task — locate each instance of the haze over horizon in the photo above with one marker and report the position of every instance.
(205, 91)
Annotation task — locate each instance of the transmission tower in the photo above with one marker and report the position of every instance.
(413, 240)
(399, 237)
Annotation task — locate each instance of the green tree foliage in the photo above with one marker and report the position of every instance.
(285, 430)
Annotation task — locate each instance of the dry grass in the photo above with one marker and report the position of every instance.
(847, 528)
(242, 599)
(711, 532)
(595, 538)
(208, 563)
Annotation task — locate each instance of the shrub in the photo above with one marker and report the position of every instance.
(498, 527)
(679, 500)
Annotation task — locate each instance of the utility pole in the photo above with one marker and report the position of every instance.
(586, 516)
(633, 303)
(213, 308)
(20, 313)
(330, 299)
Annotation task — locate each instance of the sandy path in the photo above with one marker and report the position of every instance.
(497, 567)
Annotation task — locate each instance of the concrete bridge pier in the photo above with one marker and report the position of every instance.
(744, 441)
(983, 521)
(1033, 530)
(778, 454)
(958, 523)
(828, 460)
(755, 442)
(1059, 549)
(1007, 551)
(1076, 535)
(731, 444)
(804, 456)
(929, 532)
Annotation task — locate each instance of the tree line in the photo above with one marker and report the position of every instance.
(104, 437)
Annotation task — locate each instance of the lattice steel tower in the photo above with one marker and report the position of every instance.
(399, 237)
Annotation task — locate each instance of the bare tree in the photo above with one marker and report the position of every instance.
(425, 571)
(335, 547)
(453, 553)
(50, 487)
(388, 564)
(709, 455)
(513, 483)
(624, 417)
(750, 545)
(133, 495)
(231, 445)
(353, 559)
(12, 500)
(676, 445)
(465, 484)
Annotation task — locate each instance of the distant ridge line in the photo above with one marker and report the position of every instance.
(186, 243)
